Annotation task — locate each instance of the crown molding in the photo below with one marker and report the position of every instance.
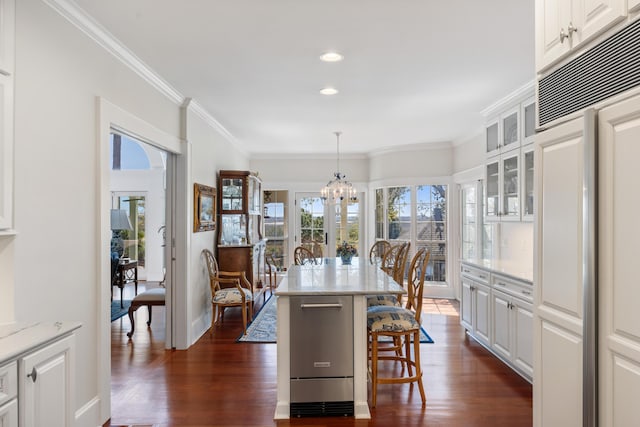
(424, 146)
(522, 93)
(89, 26)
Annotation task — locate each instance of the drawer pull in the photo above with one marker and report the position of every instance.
(33, 375)
(501, 284)
(526, 292)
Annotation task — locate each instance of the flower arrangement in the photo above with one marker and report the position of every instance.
(346, 250)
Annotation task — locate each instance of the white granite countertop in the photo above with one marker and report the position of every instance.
(507, 268)
(17, 338)
(333, 278)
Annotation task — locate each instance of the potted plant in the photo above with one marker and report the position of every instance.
(346, 251)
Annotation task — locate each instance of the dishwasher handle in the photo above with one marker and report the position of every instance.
(321, 305)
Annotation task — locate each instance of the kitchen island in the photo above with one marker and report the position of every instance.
(331, 279)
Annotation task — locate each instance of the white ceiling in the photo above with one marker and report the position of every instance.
(415, 71)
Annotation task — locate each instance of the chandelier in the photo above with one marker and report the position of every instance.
(338, 188)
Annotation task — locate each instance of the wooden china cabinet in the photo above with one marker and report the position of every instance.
(240, 242)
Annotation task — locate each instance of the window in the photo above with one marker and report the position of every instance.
(275, 226)
(348, 223)
(416, 214)
(469, 228)
(431, 228)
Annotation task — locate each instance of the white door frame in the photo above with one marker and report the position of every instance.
(112, 118)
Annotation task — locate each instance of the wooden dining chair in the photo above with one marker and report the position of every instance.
(228, 289)
(393, 263)
(302, 256)
(377, 251)
(402, 324)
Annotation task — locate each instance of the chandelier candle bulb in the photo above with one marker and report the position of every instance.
(339, 188)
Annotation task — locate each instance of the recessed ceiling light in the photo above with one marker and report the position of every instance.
(328, 91)
(331, 57)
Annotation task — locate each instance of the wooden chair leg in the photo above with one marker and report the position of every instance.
(416, 357)
(149, 321)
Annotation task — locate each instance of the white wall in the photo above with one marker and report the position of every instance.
(209, 154)
(416, 161)
(52, 269)
(469, 153)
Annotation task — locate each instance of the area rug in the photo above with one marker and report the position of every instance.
(116, 311)
(263, 327)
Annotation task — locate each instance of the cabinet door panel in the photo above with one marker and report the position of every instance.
(46, 400)
(482, 313)
(551, 17)
(9, 414)
(465, 305)
(523, 337)
(502, 324)
(594, 16)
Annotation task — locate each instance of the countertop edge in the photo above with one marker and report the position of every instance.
(492, 270)
(18, 338)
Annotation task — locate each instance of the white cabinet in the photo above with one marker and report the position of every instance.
(563, 25)
(36, 374)
(9, 395)
(45, 392)
(513, 323)
(474, 305)
(513, 127)
(502, 193)
(497, 311)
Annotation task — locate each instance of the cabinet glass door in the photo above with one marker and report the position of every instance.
(510, 135)
(493, 190)
(510, 183)
(232, 192)
(492, 137)
(527, 208)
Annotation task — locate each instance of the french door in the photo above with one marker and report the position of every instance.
(322, 229)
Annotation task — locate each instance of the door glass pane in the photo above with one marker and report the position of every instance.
(529, 120)
(492, 137)
(379, 214)
(133, 240)
(312, 232)
(399, 213)
(275, 226)
(348, 223)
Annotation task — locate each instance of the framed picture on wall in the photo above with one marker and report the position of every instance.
(204, 208)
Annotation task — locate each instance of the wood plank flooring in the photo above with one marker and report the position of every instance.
(219, 382)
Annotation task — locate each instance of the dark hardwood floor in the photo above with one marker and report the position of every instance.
(219, 382)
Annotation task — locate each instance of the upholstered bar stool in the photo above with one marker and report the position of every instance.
(401, 324)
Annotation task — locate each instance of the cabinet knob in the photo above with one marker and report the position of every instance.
(563, 35)
(571, 29)
(33, 375)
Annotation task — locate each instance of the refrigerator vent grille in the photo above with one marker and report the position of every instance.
(321, 409)
(609, 68)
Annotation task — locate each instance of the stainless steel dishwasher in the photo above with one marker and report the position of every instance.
(321, 355)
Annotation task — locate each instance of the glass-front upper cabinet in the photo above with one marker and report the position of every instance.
(510, 130)
(240, 207)
(502, 193)
(529, 121)
(492, 138)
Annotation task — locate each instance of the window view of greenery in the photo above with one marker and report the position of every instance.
(399, 213)
(133, 240)
(312, 225)
(426, 228)
(431, 228)
(379, 213)
(275, 226)
(348, 224)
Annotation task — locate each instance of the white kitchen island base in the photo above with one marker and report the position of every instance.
(358, 280)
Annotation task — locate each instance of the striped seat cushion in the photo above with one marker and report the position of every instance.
(387, 300)
(391, 319)
(231, 296)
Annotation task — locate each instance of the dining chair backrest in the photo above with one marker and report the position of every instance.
(302, 255)
(377, 251)
(389, 258)
(400, 264)
(415, 281)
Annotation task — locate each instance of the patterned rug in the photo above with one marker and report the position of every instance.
(116, 311)
(263, 327)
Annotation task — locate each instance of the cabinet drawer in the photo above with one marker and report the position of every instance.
(512, 287)
(475, 273)
(8, 382)
(9, 414)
